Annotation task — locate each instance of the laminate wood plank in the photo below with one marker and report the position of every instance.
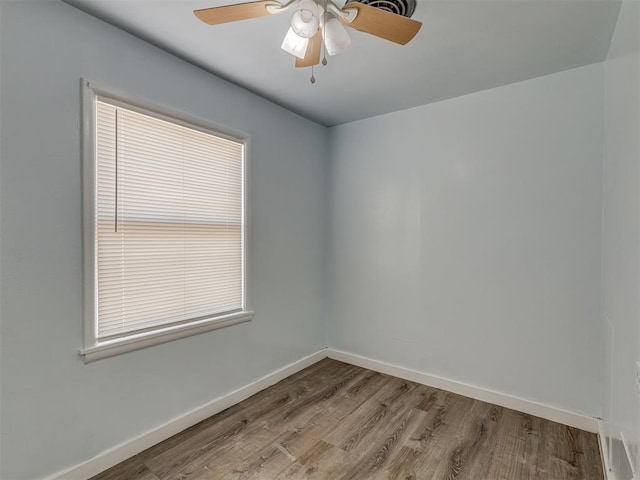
(323, 461)
(331, 411)
(204, 474)
(426, 446)
(275, 416)
(376, 430)
(199, 449)
(266, 463)
(447, 416)
(566, 454)
(314, 376)
(299, 432)
(300, 419)
(276, 455)
(131, 469)
(334, 421)
(403, 465)
(593, 468)
(397, 394)
(227, 465)
(399, 463)
(543, 457)
(145, 474)
(335, 404)
(469, 453)
(372, 463)
(517, 448)
(329, 407)
(307, 377)
(322, 397)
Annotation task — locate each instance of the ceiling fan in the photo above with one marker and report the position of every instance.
(315, 23)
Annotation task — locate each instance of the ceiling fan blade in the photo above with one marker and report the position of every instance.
(232, 13)
(312, 55)
(381, 23)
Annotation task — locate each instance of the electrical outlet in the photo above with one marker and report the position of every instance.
(638, 379)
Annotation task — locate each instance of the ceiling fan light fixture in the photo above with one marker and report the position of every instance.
(318, 23)
(304, 23)
(336, 38)
(295, 44)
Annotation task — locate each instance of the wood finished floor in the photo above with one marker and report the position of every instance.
(334, 421)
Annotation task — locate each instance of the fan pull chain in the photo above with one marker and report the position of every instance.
(324, 22)
(312, 79)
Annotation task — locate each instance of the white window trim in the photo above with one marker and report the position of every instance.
(94, 349)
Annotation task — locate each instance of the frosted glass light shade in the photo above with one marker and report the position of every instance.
(336, 38)
(294, 44)
(304, 23)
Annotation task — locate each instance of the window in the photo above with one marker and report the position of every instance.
(165, 229)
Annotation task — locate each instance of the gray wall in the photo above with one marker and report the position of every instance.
(56, 411)
(621, 240)
(465, 238)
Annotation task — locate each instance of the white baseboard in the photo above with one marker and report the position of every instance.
(627, 452)
(125, 450)
(604, 452)
(559, 415)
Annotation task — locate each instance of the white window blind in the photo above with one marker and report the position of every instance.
(168, 223)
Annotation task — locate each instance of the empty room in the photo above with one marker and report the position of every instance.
(319, 240)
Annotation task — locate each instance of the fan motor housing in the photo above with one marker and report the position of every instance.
(399, 7)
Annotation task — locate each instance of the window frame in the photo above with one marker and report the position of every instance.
(93, 348)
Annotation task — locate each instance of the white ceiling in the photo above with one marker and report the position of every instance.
(463, 47)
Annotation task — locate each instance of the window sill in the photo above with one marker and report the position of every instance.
(135, 342)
